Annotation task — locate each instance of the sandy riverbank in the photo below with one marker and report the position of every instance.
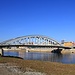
(15, 66)
(68, 51)
(10, 69)
(63, 51)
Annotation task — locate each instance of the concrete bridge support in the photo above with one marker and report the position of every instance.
(1, 52)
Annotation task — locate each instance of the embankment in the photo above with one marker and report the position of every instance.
(44, 67)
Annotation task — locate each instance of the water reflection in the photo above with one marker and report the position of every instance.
(63, 58)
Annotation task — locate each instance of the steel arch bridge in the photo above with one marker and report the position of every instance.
(31, 40)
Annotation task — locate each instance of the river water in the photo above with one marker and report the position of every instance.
(68, 58)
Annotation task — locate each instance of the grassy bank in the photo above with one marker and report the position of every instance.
(50, 68)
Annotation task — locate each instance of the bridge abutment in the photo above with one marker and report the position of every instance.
(1, 52)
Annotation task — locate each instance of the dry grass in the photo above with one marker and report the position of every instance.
(50, 68)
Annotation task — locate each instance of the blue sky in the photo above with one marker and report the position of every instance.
(53, 18)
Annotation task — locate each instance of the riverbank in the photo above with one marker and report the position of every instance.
(31, 66)
(42, 50)
(11, 69)
(68, 51)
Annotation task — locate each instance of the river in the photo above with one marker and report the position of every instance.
(68, 58)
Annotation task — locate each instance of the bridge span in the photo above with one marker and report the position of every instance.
(32, 41)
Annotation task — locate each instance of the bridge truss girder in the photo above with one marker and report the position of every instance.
(31, 40)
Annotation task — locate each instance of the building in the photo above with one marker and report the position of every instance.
(70, 44)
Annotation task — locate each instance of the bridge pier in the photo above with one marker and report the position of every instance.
(27, 50)
(58, 50)
(1, 52)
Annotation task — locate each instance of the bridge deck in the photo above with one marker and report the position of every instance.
(52, 46)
